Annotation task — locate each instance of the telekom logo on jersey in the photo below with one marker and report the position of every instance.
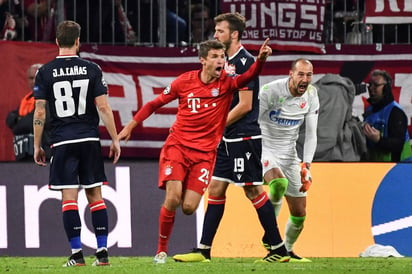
(194, 104)
(120, 198)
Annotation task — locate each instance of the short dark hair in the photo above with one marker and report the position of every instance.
(387, 88)
(384, 74)
(206, 46)
(236, 21)
(66, 33)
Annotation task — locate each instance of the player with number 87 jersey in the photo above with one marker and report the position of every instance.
(75, 92)
(70, 84)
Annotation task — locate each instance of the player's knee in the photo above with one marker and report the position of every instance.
(277, 188)
(188, 209)
(173, 201)
(216, 189)
(252, 192)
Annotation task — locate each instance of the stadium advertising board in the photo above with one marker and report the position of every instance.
(350, 207)
(31, 219)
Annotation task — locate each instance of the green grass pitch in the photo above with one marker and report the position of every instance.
(217, 266)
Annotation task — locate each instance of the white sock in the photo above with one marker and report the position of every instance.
(277, 205)
(292, 233)
(75, 250)
(101, 249)
(202, 246)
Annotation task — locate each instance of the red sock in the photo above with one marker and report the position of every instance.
(260, 200)
(166, 221)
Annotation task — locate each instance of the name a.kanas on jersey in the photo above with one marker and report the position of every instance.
(70, 71)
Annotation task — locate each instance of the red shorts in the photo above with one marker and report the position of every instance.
(192, 167)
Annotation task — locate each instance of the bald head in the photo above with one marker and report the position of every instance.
(300, 76)
(31, 74)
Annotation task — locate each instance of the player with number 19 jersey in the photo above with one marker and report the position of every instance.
(247, 126)
(74, 83)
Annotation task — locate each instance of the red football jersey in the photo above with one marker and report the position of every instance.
(203, 108)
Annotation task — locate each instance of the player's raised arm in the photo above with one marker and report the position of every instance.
(256, 68)
(265, 50)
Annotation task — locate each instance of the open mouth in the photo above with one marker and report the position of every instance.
(219, 69)
(302, 88)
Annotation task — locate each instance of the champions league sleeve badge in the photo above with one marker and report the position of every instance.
(104, 83)
(166, 90)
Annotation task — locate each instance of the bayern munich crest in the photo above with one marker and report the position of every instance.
(214, 92)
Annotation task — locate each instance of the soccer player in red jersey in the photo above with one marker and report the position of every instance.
(238, 158)
(188, 155)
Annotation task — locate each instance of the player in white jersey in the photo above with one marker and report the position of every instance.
(285, 104)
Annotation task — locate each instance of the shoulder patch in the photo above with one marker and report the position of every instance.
(311, 89)
(104, 83)
(166, 90)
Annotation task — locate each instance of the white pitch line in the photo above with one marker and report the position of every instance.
(392, 226)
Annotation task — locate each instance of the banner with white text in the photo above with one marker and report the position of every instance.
(137, 75)
(291, 25)
(388, 12)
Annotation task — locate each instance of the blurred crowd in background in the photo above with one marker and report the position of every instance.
(170, 22)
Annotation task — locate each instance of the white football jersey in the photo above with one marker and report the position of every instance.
(281, 115)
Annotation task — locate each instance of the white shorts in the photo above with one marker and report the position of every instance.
(289, 167)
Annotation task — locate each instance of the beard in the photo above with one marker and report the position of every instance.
(227, 43)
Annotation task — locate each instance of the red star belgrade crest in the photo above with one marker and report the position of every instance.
(230, 69)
